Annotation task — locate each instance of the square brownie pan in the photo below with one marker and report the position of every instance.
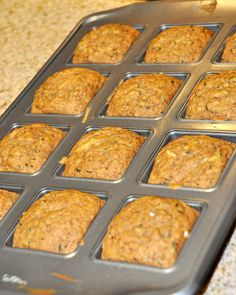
(84, 272)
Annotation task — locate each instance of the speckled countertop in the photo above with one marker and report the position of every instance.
(30, 31)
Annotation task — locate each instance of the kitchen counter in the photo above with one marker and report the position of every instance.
(30, 31)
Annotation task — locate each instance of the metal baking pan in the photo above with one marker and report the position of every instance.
(84, 272)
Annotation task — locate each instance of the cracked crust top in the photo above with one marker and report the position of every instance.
(214, 98)
(104, 153)
(57, 222)
(25, 149)
(147, 95)
(180, 44)
(7, 199)
(150, 230)
(229, 53)
(106, 44)
(191, 160)
(67, 92)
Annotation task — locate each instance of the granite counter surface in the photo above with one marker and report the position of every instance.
(30, 31)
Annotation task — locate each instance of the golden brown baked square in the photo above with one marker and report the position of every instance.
(151, 231)
(191, 160)
(146, 95)
(27, 148)
(106, 44)
(214, 98)
(229, 53)
(57, 222)
(67, 92)
(7, 199)
(104, 153)
(180, 44)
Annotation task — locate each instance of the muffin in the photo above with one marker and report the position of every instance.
(106, 44)
(150, 231)
(104, 153)
(57, 222)
(214, 98)
(181, 44)
(67, 92)
(7, 199)
(25, 149)
(191, 160)
(147, 95)
(229, 53)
